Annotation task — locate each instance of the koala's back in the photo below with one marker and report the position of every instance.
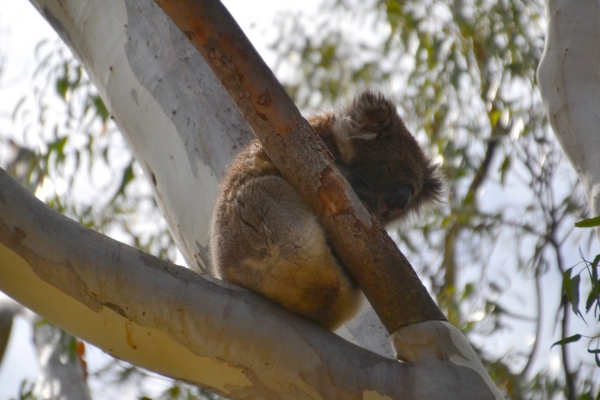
(265, 238)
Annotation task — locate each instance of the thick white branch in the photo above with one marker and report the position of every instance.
(180, 324)
(176, 117)
(173, 321)
(569, 80)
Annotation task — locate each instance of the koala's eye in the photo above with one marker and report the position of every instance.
(389, 168)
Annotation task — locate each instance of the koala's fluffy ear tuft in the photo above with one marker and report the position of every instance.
(368, 116)
(372, 111)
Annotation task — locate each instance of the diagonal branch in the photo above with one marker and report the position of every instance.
(374, 261)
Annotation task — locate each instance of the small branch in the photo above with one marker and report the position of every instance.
(483, 169)
(569, 381)
(448, 288)
(382, 272)
(538, 329)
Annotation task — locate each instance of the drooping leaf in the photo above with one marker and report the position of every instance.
(127, 177)
(575, 294)
(570, 339)
(571, 286)
(504, 169)
(588, 223)
(62, 86)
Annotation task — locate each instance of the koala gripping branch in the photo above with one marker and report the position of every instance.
(379, 268)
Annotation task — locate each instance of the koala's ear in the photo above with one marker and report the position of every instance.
(346, 128)
(373, 112)
(368, 116)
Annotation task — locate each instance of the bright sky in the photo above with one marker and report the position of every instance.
(21, 29)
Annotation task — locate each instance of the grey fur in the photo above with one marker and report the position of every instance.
(264, 236)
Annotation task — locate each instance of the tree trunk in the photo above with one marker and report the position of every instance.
(174, 114)
(569, 81)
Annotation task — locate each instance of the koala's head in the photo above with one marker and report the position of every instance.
(382, 160)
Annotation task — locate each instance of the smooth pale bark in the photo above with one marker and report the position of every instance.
(569, 81)
(173, 321)
(441, 349)
(175, 115)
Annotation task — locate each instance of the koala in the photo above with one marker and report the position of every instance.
(266, 238)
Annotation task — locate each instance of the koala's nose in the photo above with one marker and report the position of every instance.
(401, 198)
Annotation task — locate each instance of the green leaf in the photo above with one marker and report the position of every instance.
(588, 223)
(594, 296)
(566, 281)
(40, 322)
(596, 353)
(58, 147)
(570, 339)
(127, 177)
(101, 110)
(504, 168)
(571, 286)
(494, 117)
(595, 264)
(594, 268)
(575, 294)
(62, 85)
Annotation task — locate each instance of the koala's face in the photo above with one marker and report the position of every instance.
(382, 160)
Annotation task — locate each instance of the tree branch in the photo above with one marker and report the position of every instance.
(569, 377)
(570, 88)
(374, 261)
(172, 320)
(538, 323)
(448, 288)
